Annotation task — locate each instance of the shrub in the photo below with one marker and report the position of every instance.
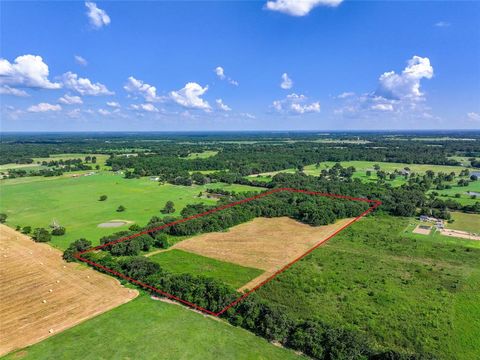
(41, 235)
(103, 198)
(121, 208)
(58, 231)
(26, 229)
(3, 218)
(169, 208)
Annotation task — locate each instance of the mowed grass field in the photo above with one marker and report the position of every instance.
(149, 329)
(182, 262)
(465, 222)
(74, 203)
(362, 167)
(403, 291)
(36, 165)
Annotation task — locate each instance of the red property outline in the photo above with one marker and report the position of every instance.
(376, 203)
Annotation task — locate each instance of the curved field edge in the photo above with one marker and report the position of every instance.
(147, 329)
(403, 292)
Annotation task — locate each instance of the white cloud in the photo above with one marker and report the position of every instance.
(383, 107)
(222, 106)
(26, 71)
(145, 107)
(44, 107)
(286, 83)
(474, 116)
(190, 97)
(345, 95)
(80, 60)
(248, 115)
(74, 114)
(84, 86)
(407, 84)
(7, 90)
(98, 17)
(442, 24)
(69, 100)
(138, 87)
(104, 112)
(296, 104)
(113, 104)
(221, 75)
(299, 7)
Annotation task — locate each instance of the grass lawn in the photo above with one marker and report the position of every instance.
(202, 155)
(465, 222)
(180, 262)
(464, 198)
(149, 329)
(362, 166)
(403, 291)
(36, 165)
(73, 202)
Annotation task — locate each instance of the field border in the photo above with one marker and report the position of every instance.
(374, 205)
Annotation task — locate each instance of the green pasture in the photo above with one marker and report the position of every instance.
(202, 155)
(465, 222)
(150, 329)
(73, 202)
(409, 292)
(465, 198)
(36, 165)
(181, 262)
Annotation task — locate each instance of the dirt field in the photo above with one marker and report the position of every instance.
(41, 295)
(422, 229)
(459, 234)
(267, 244)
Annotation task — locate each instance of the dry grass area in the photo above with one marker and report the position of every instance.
(41, 295)
(263, 243)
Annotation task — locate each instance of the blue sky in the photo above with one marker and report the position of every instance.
(249, 65)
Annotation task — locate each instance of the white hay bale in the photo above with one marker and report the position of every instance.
(58, 281)
(50, 290)
(44, 301)
(50, 331)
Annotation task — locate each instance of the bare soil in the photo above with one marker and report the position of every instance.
(41, 295)
(264, 243)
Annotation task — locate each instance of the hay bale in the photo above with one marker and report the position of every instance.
(44, 301)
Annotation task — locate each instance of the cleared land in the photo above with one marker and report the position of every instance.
(73, 202)
(465, 222)
(148, 329)
(263, 243)
(402, 290)
(181, 262)
(41, 295)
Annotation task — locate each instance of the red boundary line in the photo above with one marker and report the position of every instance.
(375, 204)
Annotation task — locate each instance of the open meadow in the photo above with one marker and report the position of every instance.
(149, 329)
(74, 202)
(41, 295)
(404, 291)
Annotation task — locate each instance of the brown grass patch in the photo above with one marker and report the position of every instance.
(41, 295)
(263, 243)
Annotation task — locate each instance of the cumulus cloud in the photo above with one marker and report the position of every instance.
(345, 95)
(473, 116)
(148, 107)
(407, 84)
(44, 107)
(286, 83)
(80, 60)
(296, 104)
(222, 106)
(299, 7)
(7, 90)
(70, 100)
(221, 75)
(97, 17)
(190, 97)
(84, 86)
(113, 104)
(140, 88)
(26, 71)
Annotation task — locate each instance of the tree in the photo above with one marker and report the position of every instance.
(76, 246)
(58, 231)
(169, 208)
(369, 173)
(161, 241)
(121, 208)
(474, 177)
(103, 198)
(3, 218)
(41, 235)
